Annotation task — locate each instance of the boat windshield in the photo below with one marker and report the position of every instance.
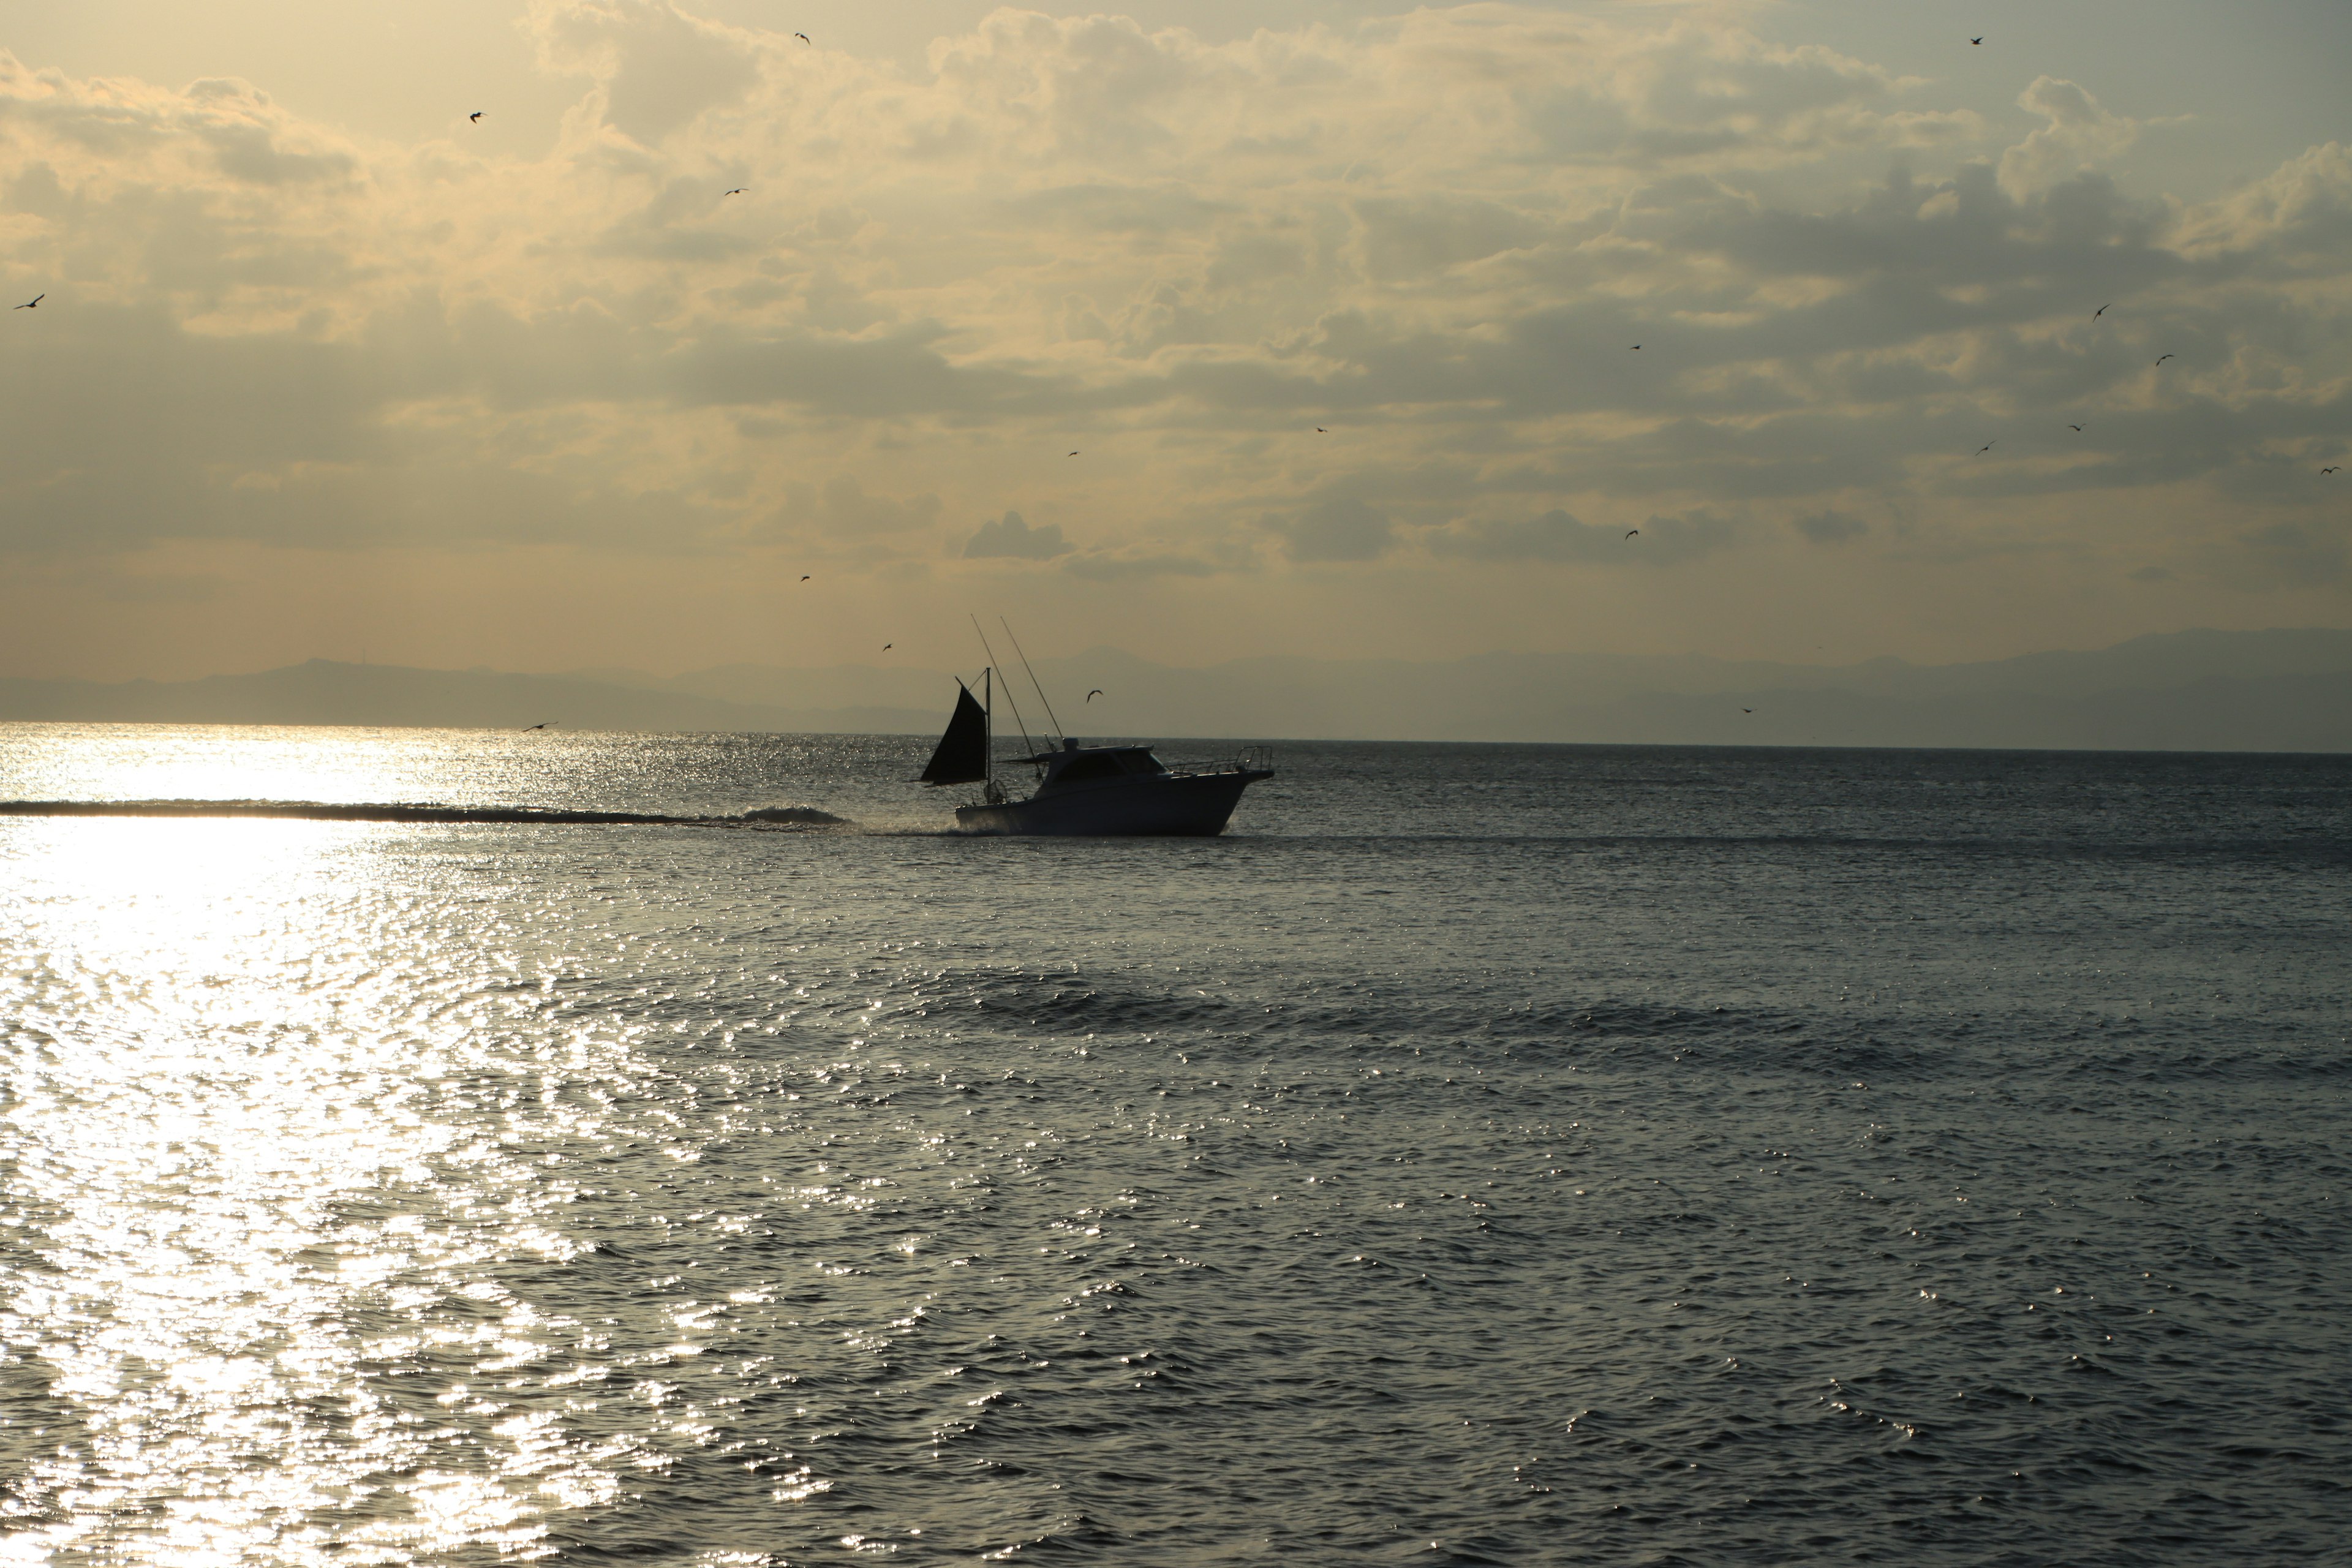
(1107, 764)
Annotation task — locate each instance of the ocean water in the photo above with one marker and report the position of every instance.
(1481, 1155)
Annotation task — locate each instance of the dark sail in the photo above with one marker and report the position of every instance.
(962, 755)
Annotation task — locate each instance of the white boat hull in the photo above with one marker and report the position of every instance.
(1192, 805)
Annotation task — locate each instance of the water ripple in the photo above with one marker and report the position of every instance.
(425, 1192)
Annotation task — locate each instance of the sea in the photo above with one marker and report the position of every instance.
(1480, 1155)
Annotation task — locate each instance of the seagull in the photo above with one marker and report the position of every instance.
(1097, 691)
(2330, 469)
(1976, 41)
(475, 117)
(1748, 709)
(1632, 531)
(527, 729)
(2076, 428)
(1985, 447)
(887, 647)
(2161, 358)
(1320, 431)
(804, 38)
(2103, 310)
(1073, 454)
(1637, 347)
(738, 191)
(33, 300)
(803, 577)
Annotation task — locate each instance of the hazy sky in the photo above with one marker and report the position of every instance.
(321, 368)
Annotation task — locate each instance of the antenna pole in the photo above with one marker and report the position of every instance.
(1033, 676)
(1028, 744)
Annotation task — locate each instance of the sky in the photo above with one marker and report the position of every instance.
(1203, 331)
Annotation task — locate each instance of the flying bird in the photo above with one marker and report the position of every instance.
(887, 647)
(1976, 40)
(1632, 531)
(33, 300)
(2103, 310)
(2161, 358)
(2329, 470)
(737, 191)
(1985, 447)
(803, 577)
(1748, 709)
(1320, 431)
(1097, 691)
(2076, 428)
(475, 117)
(527, 729)
(1637, 347)
(804, 38)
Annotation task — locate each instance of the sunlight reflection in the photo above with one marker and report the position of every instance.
(230, 1157)
(222, 761)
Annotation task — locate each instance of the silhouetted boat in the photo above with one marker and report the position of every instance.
(1083, 789)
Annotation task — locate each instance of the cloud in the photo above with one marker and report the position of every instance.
(1340, 529)
(657, 68)
(844, 509)
(2081, 134)
(1830, 527)
(1410, 237)
(1557, 536)
(2296, 220)
(1011, 537)
(2298, 551)
(1101, 566)
(1554, 536)
(1435, 235)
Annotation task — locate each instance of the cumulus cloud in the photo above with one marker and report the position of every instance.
(1435, 235)
(2081, 134)
(1012, 537)
(656, 67)
(2297, 219)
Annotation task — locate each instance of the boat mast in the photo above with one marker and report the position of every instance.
(1050, 717)
(1026, 744)
(987, 733)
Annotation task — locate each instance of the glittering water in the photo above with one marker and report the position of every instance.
(1483, 1154)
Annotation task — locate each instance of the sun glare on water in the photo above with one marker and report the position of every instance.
(221, 762)
(221, 1106)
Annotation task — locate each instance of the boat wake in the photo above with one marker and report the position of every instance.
(372, 811)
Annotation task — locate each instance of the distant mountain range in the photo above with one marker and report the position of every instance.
(2198, 690)
(325, 692)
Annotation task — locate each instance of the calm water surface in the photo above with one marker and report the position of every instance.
(1482, 1155)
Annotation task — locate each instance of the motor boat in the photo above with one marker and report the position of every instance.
(1083, 789)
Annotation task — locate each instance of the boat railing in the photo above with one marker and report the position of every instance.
(1250, 760)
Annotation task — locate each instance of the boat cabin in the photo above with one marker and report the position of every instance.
(1075, 764)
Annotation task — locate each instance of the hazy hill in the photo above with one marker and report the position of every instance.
(2288, 690)
(325, 692)
(2198, 690)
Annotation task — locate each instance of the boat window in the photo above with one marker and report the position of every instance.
(1109, 764)
(1101, 766)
